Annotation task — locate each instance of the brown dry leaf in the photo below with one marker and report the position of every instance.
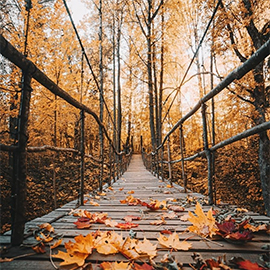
(204, 225)
(39, 248)
(184, 217)
(176, 208)
(129, 218)
(159, 222)
(172, 241)
(169, 215)
(43, 238)
(110, 223)
(146, 247)
(47, 226)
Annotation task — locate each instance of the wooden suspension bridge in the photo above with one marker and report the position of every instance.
(143, 185)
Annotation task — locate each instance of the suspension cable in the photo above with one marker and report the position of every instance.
(192, 60)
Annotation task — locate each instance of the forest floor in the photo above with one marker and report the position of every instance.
(235, 183)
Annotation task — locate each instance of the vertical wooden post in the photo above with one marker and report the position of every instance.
(162, 166)
(18, 210)
(82, 158)
(182, 159)
(208, 155)
(169, 160)
(111, 162)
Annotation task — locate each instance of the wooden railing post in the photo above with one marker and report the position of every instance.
(208, 155)
(82, 158)
(162, 165)
(182, 158)
(169, 160)
(18, 195)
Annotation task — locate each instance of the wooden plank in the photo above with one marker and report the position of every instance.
(145, 186)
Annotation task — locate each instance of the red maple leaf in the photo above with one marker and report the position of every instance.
(83, 223)
(241, 236)
(246, 264)
(226, 227)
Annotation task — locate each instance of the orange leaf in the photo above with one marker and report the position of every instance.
(48, 227)
(130, 192)
(93, 203)
(57, 243)
(76, 258)
(115, 266)
(39, 248)
(82, 245)
(126, 226)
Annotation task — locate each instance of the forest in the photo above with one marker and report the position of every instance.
(140, 66)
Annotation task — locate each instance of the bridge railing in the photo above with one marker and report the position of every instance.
(155, 160)
(115, 162)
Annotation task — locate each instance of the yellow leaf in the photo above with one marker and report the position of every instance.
(115, 266)
(204, 225)
(146, 247)
(77, 258)
(173, 242)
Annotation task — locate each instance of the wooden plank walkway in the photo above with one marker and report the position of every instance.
(145, 186)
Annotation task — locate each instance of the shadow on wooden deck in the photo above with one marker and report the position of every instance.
(139, 183)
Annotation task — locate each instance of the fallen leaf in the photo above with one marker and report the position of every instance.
(146, 247)
(47, 226)
(169, 215)
(204, 225)
(166, 232)
(83, 244)
(130, 192)
(126, 226)
(57, 243)
(110, 223)
(158, 222)
(43, 238)
(83, 223)
(93, 203)
(246, 264)
(115, 266)
(129, 218)
(176, 208)
(76, 258)
(173, 242)
(184, 217)
(39, 248)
